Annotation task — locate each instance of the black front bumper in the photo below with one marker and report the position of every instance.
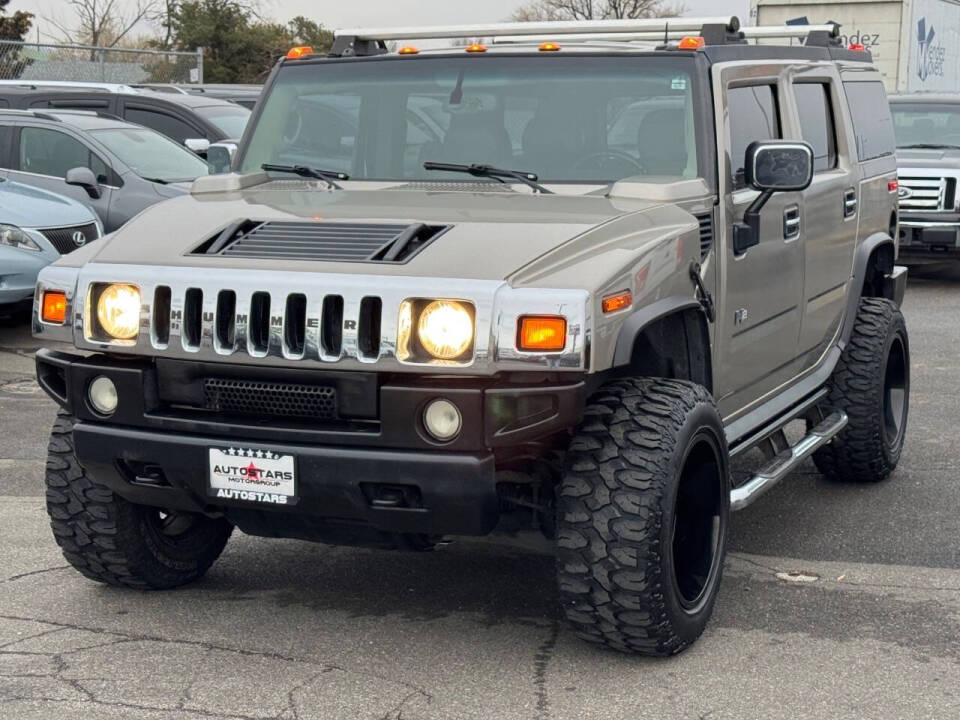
(930, 237)
(377, 472)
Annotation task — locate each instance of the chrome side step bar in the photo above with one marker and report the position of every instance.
(784, 462)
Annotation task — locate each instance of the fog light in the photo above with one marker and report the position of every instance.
(442, 420)
(103, 395)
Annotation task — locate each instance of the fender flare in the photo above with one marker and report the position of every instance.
(861, 261)
(635, 324)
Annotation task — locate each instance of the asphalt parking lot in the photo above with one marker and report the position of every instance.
(291, 630)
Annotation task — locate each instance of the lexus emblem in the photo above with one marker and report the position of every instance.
(79, 239)
(904, 192)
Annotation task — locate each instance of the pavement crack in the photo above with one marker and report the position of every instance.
(12, 578)
(541, 661)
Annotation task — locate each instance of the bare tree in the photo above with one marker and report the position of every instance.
(595, 10)
(102, 22)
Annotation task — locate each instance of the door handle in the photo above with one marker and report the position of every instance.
(849, 203)
(791, 222)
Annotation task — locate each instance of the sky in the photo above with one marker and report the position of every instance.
(353, 13)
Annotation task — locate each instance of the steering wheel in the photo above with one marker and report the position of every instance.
(598, 160)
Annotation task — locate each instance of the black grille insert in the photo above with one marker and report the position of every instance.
(322, 241)
(63, 238)
(270, 399)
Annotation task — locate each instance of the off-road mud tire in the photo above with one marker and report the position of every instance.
(616, 515)
(113, 541)
(878, 354)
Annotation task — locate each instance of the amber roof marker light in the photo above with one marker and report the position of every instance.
(549, 47)
(476, 48)
(408, 50)
(295, 53)
(691, 43)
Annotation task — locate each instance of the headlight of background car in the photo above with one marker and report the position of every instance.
(118, 311)
(444, 330)
(12, 236)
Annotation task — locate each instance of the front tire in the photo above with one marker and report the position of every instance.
(113, 541)
(643, 515)
(871, 383)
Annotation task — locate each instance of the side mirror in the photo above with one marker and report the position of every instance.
(84, 177)
(197, 145)
(770, 167)
(220, 157)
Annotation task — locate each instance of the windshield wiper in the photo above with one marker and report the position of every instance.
(527, 178)
(328, 176)
(929, 146)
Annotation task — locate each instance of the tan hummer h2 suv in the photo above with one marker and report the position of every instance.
(557, 281)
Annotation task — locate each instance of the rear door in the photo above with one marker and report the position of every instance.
(830, 207)
(760, 295)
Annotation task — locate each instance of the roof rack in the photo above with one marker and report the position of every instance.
(803, 32)
(372, 41)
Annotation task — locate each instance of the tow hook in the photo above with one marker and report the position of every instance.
(706, 299)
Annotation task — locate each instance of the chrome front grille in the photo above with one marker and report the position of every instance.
(931, 194)
(304, 319)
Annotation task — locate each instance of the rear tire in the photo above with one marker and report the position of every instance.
(871, 383)
(113, 541)
(643, 515)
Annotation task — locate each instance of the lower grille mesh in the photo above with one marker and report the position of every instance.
(63, 238)
(267, 399)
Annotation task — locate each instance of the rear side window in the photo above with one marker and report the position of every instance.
(753, 116)
(872, 124)
(172, 127)
(816, 123)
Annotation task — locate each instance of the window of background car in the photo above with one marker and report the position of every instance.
(754, 116)
(926, 123)
(231, 120)
(151, 155)
(168, 125)
(817, 124)
(872, 123)
(53, 153)
(559, 117)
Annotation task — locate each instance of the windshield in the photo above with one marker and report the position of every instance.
(230, 119)
(926, 124)
(151, 155)
(567, 119)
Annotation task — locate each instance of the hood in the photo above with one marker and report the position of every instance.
(489, 235)
(30, 207)
(171, 190)
(929, 158)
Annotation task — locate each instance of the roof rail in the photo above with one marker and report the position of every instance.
(372, 41)
(748, 33)
(30, 113)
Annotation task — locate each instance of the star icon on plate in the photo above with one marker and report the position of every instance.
(259, 453)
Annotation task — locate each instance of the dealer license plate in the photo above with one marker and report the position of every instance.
(253, 475)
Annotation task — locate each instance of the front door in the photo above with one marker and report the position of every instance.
(759, 303)
(42, 156)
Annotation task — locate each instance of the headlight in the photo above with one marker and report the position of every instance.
(118, 310)
(445, 329)
(12, 236)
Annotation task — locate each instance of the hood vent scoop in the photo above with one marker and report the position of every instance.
(322, 241)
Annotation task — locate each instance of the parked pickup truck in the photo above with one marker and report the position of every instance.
(928, 158)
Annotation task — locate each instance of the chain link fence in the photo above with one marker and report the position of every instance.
(87, 63)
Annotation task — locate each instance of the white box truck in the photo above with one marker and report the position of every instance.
(915, 43)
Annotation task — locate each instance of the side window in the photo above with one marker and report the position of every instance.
(754, 116)
(6, 133)
(816, 123)
(174, 128)
(50, 152)
(872, 123)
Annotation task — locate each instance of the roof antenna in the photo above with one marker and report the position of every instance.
(666, 33)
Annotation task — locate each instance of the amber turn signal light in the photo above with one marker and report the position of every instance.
(295, 53)
(542, 332)
(54, 307)
(620, 301)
